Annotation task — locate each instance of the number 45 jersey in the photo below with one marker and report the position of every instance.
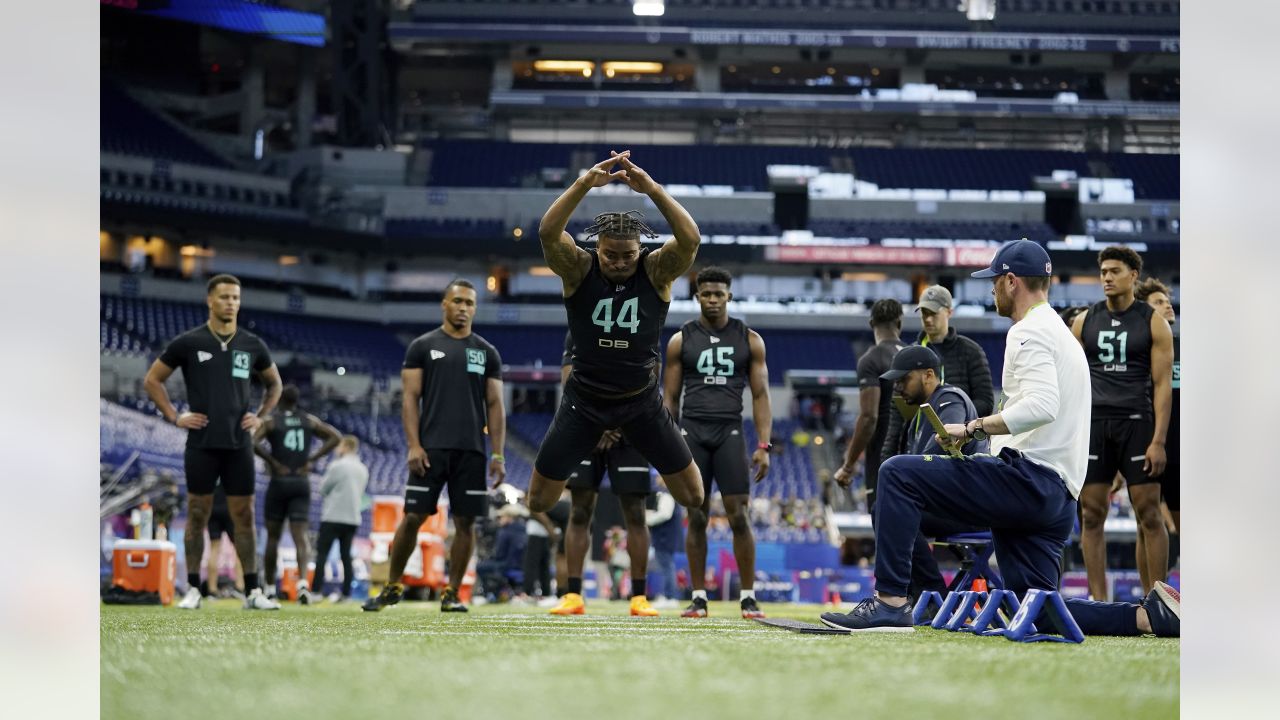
(715, 366)
(1118, 346)
(616, 332)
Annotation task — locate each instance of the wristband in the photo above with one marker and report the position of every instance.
(764, 446)
(499, 458)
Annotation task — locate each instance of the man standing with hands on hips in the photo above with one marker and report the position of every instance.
(1026, 492)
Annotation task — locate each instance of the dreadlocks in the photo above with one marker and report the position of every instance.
(620, 224)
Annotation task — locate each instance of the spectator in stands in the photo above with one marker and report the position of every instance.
(504, 569)
(665, 538)
(345, 480)
(873, 397)
(964, 362)
(917, 372)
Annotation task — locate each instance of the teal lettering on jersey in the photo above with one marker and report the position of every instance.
(239, 364)
(475, 360)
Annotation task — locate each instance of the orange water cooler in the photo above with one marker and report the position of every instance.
(145, 566)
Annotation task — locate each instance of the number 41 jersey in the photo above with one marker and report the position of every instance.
(715, 365)
(616, 331)
(1118, 346)
(290, 438)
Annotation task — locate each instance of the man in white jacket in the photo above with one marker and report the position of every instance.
(1026, 491)
(342, 488)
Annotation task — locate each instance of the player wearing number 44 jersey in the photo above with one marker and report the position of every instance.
(1130, 353)
(712, 359)
(617, 298)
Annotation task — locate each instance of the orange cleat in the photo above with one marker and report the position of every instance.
(640, 607)
(570, 604)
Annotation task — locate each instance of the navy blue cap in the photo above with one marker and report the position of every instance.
(1023, 258)
(912, 357)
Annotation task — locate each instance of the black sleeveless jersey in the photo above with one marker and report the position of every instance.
(1118, 346)
(716, 367)
(290, 438)
(616, 331)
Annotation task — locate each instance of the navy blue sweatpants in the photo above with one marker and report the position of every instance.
(1027, 506)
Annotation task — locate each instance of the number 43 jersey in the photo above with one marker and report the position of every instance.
(1118, 346)
(715, 365)
(616, 331)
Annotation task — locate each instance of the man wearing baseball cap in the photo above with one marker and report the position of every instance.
(1026, 492)
(963, 363)
(916, 373)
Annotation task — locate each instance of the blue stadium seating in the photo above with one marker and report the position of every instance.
(482, 163)
(129, 128)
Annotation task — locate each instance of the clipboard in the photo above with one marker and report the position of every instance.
(932, 416)
(905, 409)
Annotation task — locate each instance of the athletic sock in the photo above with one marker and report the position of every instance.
(250, 582)
(637, 587)
(744, 594)
(575, 585)
(700, 595)
(204, 588)
(193, 580)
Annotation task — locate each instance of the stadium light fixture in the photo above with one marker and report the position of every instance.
(648, 8)
(572, 66)
(628, 66)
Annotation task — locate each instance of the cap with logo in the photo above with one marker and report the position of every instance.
(912, 357)
(934, 298)
(1023, 258)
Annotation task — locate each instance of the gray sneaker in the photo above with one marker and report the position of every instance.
(256, 600)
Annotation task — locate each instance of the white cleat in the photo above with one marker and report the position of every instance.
(257, 601)
(190, 601)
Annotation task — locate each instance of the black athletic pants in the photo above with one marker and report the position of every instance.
(342, 533)
(537, 565)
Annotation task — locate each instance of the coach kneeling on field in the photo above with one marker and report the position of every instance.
(1026, 493)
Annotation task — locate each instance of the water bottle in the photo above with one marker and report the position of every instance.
(145, 518)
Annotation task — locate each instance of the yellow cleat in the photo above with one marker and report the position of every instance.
(571, 604)
(640, 607)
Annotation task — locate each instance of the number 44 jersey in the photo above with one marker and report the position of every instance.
(616, 330)
(715, 365)
(1118, 346)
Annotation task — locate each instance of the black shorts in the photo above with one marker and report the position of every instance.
(220, 522)
(288, 496)
(463, 471)
(720, 451)
(206, 466)
(628, 472)
(580, 420)
(1119, 446)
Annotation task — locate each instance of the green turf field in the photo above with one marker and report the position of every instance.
(518, 662)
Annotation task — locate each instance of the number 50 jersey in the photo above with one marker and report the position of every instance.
(715, 365)
(616, 331)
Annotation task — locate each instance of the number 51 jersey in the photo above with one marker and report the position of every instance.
(1118, 346)
(616, 331)
(715, 365)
